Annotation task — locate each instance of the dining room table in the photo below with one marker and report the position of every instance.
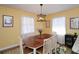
(36, 41)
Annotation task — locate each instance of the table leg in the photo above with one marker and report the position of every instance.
(34, 51)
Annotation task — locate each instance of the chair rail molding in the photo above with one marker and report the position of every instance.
(11, 46)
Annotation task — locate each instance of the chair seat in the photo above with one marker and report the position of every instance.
(27, 50)
(40, 50)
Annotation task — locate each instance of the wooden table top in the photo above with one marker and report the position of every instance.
(36, 41)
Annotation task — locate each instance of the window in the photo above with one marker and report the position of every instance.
(58, 25)
(27, 25)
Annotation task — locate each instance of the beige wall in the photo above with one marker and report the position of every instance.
(9, 36)
(68, 13)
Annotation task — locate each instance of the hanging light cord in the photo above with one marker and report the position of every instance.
(41, 8)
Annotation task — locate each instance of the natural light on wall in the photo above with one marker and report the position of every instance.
(59, 25)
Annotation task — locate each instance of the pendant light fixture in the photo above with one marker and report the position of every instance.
(41, 17)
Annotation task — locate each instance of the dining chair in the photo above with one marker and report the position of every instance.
(46, 47)
(49, 45)
(75, 47)
(53, 44)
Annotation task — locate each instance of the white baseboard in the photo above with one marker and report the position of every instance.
(12, 46)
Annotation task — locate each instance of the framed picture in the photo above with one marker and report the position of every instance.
(48, 24)
(74, 23)
(7, 21)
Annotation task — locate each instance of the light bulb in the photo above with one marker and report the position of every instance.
(41, 18)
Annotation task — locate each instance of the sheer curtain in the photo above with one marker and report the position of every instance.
(59, 26)
(27, 25)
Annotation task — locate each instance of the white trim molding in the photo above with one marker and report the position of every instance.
(11, 46)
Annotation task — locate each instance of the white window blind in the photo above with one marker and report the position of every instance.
(27, 25)
(59, 25)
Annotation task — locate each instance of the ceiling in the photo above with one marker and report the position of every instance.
(46, 8)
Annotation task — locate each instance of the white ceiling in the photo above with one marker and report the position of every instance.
(47, 8)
